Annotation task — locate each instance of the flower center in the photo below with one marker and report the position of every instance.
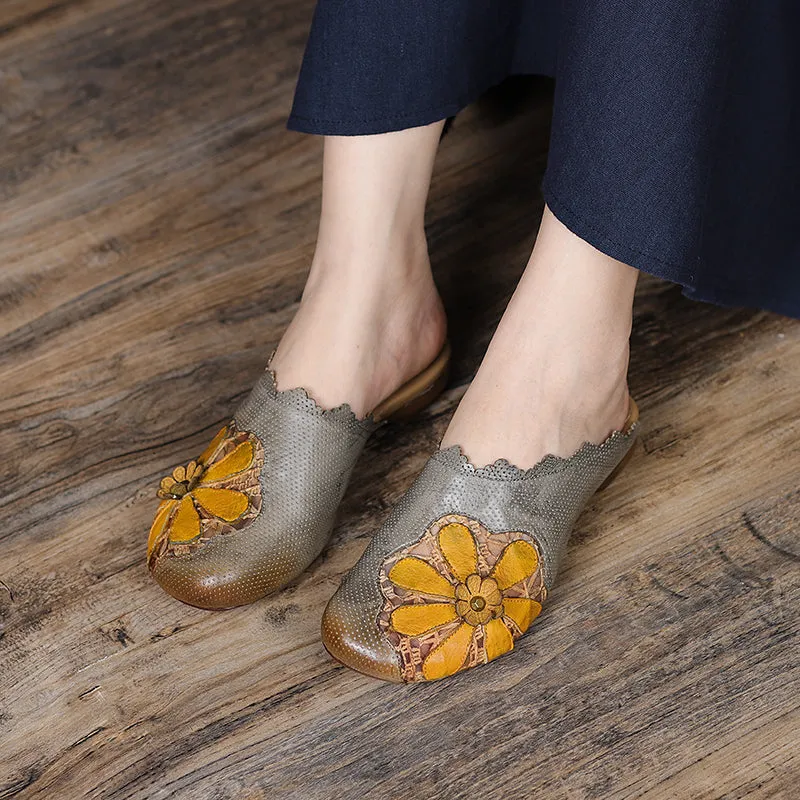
(178, 490)
(477, 603)
(182, 481)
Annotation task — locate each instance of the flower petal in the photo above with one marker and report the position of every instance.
(413, 620)
(476, 618)
(179, 474)
(227, 504)
(490, 592)
(165, 507)
(462, 593)
(517, 562)
(212, 448)
(522, 610)
(474, 584)
(449, 656)
(498, 639)
(458, 547)
(493, 598)
(419, 576)
(238, 460)
(186, 524)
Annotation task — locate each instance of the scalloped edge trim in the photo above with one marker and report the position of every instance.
(499, 470)
(300, 398)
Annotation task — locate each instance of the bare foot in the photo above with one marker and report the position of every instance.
(370, 318)
(363, 329)
(554, 375)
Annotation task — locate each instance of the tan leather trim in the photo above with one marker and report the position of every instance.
(633, 415)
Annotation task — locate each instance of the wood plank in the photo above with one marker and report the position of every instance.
(157, 226)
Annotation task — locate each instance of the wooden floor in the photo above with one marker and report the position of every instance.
(156, 225)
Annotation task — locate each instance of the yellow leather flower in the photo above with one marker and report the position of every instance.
(218, 492)
(459, 596)
(478, 600)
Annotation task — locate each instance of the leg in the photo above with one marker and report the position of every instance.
(370, 316)
(554, 375)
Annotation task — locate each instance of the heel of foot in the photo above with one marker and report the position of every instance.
(419, 392)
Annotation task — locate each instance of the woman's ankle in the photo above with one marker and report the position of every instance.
(363, 327)
(369, 265)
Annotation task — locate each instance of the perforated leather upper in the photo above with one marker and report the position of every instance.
(309, 454)
(544, 502)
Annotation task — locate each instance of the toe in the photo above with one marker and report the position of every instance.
(351, 635)
(191, 583)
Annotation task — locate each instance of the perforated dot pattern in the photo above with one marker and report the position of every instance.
(544, 501)
(309, 455)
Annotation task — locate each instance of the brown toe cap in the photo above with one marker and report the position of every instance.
(351, 635)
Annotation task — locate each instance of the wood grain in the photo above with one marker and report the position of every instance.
(157, 224)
